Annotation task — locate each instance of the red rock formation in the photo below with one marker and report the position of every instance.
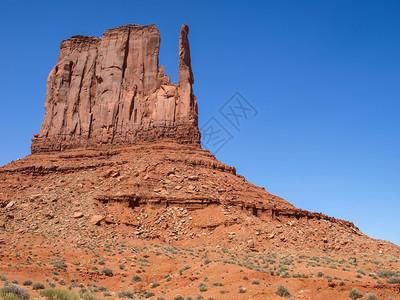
(185, 79)
(111, 90)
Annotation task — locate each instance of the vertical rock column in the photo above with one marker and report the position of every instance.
(188, 103)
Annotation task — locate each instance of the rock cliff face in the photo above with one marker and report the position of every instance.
(111, 90)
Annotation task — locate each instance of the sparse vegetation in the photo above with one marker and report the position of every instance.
(218, 284)
(136, 278)
(283, 291)
(15, 290)
(355, 294)
(361, 271)
(370, 296)
(252, 268)
(183, 269)
(62, 282)
(386, 273)
(148, 294)
(126, 294)
(88, 296)
(55, 294)
(9, 297)
(58, 264)
(203, 287)
(38, 286)
(207, 261)
(107, 271)
(394, 280)
(27, 282)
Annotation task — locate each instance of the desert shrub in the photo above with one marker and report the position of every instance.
(101, 262)
(285, 275)
(242, 289)
(148, 294)
(355, 294)
(370, 296)
(320, 274)
(126, 294)
(207, 261)
(136, 278)
(183, 269)
(393, 280)
(154, 284)
(218, 284)
(333, 266)
(361, 271)
(55, 294)
(38, 286)
(88, 296)
(9, 297)
(286, 261)
(50, 283)
(121, 266)
(107, 272)
(255, 281)
(107, 294)
(15, 281)
(3, 278)
(203, 287)
(62, 282)
(386, 273)
(162, 298)
(16, 290)
(27, 282)
(283, 291)
(58, 264)
(179, 297)
(102, 289)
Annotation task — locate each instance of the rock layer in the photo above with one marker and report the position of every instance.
(111, 90)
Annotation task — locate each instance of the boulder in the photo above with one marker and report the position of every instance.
(96, 219)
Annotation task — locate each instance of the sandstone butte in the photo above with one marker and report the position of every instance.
(118, 162)
(111, 90)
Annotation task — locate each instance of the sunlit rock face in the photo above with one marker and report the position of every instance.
(111, 90)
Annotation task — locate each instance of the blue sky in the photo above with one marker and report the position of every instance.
(323, 76)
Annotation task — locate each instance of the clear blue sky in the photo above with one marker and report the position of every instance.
(324, 77)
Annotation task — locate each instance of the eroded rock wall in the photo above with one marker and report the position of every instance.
(111, 90)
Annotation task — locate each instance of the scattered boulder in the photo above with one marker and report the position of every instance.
(96, 219)
(78, 215)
